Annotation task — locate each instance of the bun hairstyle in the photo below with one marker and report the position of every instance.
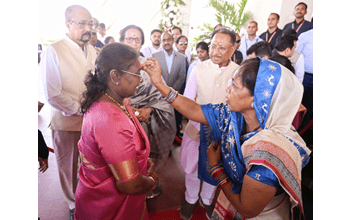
(116, 56)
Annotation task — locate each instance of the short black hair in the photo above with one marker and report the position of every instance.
(102, 25)
(278, 16)
(261, 49)
(218, 25)
(226, 31)
(107, 39)
(176, 27)
(301, 3)
(283, 61)
(284, 42)
(290, 32)
(123, 31)
(181, 36)
(156, 30)
(203, 45)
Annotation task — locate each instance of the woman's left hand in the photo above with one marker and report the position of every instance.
(144, 114)
(214, 153)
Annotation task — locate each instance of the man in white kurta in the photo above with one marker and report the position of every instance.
(64, 66)
(207, 83)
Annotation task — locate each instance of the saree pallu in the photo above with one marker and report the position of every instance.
(281, 160)
(161, 127)
(277, 209)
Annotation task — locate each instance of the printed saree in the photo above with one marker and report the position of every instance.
(277, 146)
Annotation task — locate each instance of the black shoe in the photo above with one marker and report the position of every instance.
(208, 208)
(71, 214)
(187, 210)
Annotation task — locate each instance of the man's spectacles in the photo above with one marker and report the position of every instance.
(221, 49)
(82, 24)
(168, 39)
(181, 43)
(131, 39)
(138, 75)
(237, 41)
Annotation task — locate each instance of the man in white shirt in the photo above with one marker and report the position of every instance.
(156, 46)
(176, 31)
(251, 39)
(206, 83)
(64, 66)
(102, 32)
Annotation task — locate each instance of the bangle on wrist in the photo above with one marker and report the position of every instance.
(214, 169)
(171, 97)
(224, 183)
(154, 182)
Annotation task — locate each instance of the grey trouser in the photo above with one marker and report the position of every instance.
(66, 151)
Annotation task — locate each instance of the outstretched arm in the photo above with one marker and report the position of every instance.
(187, 107)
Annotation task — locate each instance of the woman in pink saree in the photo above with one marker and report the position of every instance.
(115, 173)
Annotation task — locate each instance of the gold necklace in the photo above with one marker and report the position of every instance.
(125, 110)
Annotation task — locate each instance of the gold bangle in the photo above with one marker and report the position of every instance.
(154, 183)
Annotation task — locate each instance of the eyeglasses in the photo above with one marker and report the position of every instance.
(181, 43)
(131, 39)
(82, 24)
(138, 75)
(221, 49)
(168, 39)
(237, 41)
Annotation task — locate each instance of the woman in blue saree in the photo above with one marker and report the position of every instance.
(257, 163)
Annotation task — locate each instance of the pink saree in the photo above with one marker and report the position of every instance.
(110, 137)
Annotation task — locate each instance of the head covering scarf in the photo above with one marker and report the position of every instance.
(277, 97)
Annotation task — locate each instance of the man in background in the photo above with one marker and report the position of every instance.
(156, 46)
(173, 66)
(64, 66)
(273, 32)
(207, 83)
(300, 25)
(94, 41)
(249, 40)
(261, 49)
(102, 32)
(305, 46)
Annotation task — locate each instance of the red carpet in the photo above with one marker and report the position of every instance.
(198, 214)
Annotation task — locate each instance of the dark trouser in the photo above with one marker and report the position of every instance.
(307, 100)
(42, 147)
(178, 118)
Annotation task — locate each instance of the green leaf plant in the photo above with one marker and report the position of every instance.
(228, 15)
